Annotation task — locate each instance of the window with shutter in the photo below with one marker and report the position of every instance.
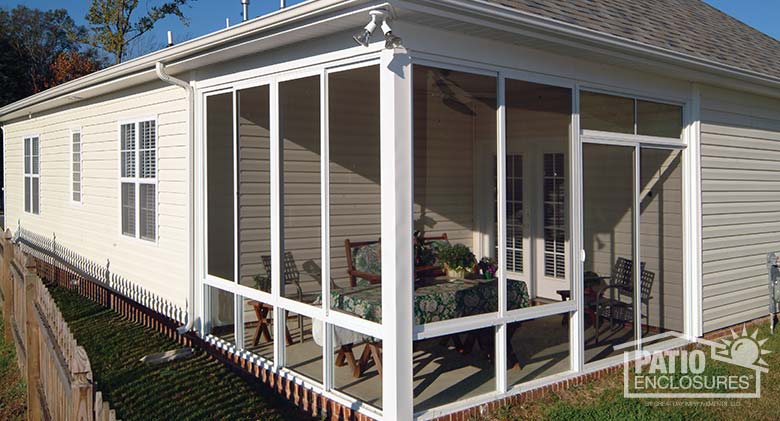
(554, 215)
(514, 213)
(32, 175)
(138, 156)
(76, 166)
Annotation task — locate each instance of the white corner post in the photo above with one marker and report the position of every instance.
(692, 228)
(397, 208)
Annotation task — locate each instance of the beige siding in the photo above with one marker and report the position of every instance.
(92, 227)
(740, 151)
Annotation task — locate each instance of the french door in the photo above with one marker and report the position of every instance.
(537, 224)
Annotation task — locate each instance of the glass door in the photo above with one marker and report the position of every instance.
(609, 191)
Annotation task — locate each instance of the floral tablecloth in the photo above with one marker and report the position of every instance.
(434, 300)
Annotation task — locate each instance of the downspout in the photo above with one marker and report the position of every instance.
(160, 70)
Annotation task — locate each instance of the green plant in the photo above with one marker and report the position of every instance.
(457, 257)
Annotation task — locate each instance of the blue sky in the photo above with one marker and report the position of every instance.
(209, 15)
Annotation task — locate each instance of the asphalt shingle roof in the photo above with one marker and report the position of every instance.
(686, 26)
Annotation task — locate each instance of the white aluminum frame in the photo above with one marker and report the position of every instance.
(138, 180)
(397, 332)
(275, 298)
(637, 143)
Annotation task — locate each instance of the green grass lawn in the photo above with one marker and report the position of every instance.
(603, 399)
(198, 388)
(13, 392)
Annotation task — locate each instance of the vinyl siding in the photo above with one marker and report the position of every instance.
(740, 154)
(92, 227)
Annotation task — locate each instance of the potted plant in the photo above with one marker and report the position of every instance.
(457, 259)
(488, 267)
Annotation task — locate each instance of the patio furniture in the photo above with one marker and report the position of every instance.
(291, 276)
(364, 260)
(344, 341)
(263, 313)
(434, 300)
(619, 306)
(590, 303)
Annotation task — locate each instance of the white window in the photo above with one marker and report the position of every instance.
(75, 165)
(138, 156)
(32, 175)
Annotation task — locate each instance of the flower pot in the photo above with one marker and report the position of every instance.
(456, 274)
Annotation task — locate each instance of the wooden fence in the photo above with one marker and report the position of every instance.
(56, 369)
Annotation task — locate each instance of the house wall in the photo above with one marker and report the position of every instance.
(92, 227)
(740, 171)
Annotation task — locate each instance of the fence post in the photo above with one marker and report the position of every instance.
(81, 388)
(7, 285)
(31, 282)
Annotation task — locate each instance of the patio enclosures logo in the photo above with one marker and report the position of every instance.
(729, 368)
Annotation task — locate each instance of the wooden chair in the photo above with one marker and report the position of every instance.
(374, 278)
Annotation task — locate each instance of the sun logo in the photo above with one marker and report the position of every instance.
(744, 350)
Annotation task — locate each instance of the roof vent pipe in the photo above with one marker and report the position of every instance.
(282, 4)
(245, 4)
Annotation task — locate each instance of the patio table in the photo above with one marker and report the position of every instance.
(435, 299)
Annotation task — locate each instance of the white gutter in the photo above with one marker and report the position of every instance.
(190, 91)
(270, 22)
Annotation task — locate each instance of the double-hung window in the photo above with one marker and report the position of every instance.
(32, 175)
(75, 156)
(138, 156)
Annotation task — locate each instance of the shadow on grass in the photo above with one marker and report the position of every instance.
(196, 388)
(13, 391)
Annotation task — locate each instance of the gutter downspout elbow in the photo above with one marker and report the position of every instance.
(165, 77)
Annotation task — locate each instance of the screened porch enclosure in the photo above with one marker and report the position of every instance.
(296, 228)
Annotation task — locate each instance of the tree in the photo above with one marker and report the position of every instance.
(31, 41)
(114, 27)
(36, 38)
(72, 65)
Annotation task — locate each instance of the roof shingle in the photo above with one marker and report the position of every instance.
(690, 27)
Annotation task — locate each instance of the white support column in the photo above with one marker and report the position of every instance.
(577, 250)
(397, 208)
(637, 248)
(327, 355)
(502, 330)
(277, 223)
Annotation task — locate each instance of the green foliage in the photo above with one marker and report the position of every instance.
(114, 27)
(30, 42)
(457, 257)
(198, 388)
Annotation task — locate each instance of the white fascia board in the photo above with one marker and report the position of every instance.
(506, 18)
(141, 69)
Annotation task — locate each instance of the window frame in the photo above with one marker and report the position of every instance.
(81, 167)
(31, 175)
(137, 181)
(599, 135)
